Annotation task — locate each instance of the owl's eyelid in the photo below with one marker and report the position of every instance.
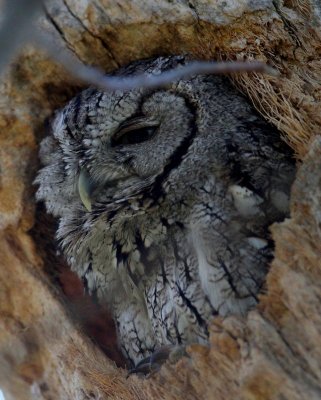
(134, 124)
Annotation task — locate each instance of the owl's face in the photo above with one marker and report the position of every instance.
(130, 149)
(107, 149)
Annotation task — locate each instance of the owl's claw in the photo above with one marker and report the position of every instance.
(153, 363)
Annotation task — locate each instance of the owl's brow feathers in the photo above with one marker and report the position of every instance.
(111, 83)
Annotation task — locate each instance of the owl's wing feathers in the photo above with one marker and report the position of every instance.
(229, 226)
(228, 251)
(262, 163)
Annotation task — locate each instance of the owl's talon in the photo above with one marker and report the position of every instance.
(153, 363)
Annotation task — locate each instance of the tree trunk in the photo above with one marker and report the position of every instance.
(273, 353)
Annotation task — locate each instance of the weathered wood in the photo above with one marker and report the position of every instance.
(274, 353)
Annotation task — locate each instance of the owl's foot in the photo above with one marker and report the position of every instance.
(153, 363)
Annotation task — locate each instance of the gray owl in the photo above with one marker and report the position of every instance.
(164, 198)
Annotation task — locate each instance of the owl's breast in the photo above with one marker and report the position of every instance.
(156, 269)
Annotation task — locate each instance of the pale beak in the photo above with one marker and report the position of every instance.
(85, 188)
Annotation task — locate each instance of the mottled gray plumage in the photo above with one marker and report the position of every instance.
(164, 198)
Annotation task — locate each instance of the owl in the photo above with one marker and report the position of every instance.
(164, 199)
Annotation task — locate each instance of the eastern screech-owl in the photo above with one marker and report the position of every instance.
(164, 198)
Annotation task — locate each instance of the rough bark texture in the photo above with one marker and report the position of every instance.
(275, 352)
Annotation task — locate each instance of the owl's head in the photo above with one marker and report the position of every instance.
(112, 149)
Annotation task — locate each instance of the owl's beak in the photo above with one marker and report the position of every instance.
(85, 188)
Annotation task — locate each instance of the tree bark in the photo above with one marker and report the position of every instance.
(273, 353)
